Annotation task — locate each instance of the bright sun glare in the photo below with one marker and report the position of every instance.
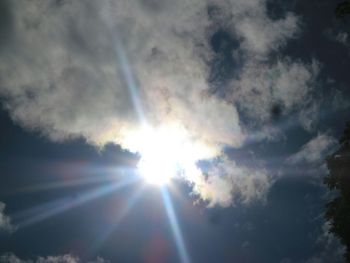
(161, 156)
(156, 169)
(166, 153)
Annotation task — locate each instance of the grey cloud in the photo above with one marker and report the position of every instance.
(5, 221)
(342, 37)
(309, 114)
(339, 101)
(315, 150)
(67, 258)
(337, 35)
(332, 249)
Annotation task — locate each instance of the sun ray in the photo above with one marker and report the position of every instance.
(121, 215)
(48, 210)
(175, 228)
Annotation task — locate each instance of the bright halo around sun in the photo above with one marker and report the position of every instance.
(166, 153)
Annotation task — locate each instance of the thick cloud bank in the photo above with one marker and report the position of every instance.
(97, 69)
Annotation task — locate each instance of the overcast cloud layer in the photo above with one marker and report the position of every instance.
(66, 67)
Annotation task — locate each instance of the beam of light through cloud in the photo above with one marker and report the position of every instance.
(175, 228)
(126, 70)
(48, 210)
(129, 79)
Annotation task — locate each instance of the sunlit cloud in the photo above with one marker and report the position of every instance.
(137, 75)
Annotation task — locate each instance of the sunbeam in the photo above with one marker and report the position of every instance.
(70, 183)
(175, 228)
(45, 211)
(121, 215)
(125, 68)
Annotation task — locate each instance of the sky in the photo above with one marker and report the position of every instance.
(240, 101)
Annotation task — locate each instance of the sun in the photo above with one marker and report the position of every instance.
(167, 152)
(156, 169)
(161, 156)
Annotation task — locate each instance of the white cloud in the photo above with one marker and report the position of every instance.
(65, 70)
(228, 184)
(249, 20)
(67, 258)
(5, 221)
(68, 80)
(286, 83)
(315, 150)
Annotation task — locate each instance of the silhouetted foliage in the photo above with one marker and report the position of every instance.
(343, 9)
(338, 209)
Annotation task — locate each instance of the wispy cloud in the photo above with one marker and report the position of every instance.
(332, 249)
(5, 221)
(314, 151)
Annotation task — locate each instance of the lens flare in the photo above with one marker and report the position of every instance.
(167, 152)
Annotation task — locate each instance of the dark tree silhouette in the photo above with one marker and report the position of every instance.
(338, 179)
(338, 209)
(342, 9)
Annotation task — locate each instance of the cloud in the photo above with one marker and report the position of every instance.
(342, 37)
(250, 22)
(67, 258)
(339, 101)
(331, 248)
(315, 150)
(286, 83)
(96, 69)
(5, 221)
(228, 184)
(68, 78)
